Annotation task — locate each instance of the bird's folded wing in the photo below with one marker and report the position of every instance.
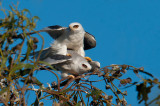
(43, 54)
(50, 58)
(89, 41)
(54, 31)
(56, 59)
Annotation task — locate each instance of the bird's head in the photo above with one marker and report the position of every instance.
(76, 27)
(84, 67)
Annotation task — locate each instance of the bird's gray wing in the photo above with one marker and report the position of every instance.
(51, 58)
(54, 31)
(43, 54)
(56, 59)
(89, 41)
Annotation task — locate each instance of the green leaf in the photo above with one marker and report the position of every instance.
(26, 10)
(33, 80)
(4, 60)
(20, 66)
(75, 97)
(29, 48)
(12, 8)
(96, 93)
(36, 103)
(11, 14)
(35, 17)
(47, 64)
(79, 103)
(72, 94)
(22, 72)
(36, 81)
(27, 22)
(4, 90)
(66, 90)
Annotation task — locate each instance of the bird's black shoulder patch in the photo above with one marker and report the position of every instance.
(55, 27)
(60, 57)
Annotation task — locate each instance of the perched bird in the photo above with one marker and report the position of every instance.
(95, 68)
(73, 36)
(74, 64)
(57, 53)
(77, 65)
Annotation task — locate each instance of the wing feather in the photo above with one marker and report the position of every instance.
(89, 41)
(51, 58)
(54, 31)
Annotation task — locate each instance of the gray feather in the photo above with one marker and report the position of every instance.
(54, 31)
(89, 41)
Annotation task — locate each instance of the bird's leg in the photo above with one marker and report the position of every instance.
(71, 76)
(68, 54)
(88, 59)
(64, 75)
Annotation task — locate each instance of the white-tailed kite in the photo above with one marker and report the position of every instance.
(74, 64)
(73, 36)
(95, 66)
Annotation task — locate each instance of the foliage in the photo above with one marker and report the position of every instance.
(17, 71)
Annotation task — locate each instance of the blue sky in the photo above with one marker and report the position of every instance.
(127, 31)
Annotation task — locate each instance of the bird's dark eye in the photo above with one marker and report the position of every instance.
(85, 66)
(75, 26)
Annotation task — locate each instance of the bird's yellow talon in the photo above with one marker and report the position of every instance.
(88, 59)
(68, 55)
(71, 76)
